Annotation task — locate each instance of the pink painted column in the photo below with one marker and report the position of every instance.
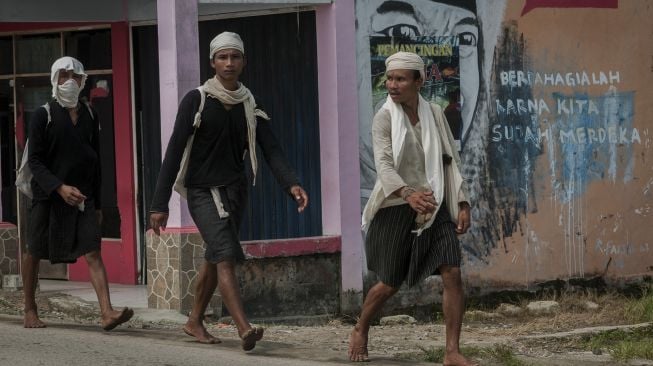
(341, 211)
(179, 72)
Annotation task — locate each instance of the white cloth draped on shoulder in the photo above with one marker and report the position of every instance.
(445, 181)
(214, 89)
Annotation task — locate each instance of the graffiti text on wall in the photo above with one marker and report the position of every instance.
(572, 126)
(619, 250)
(581, 122)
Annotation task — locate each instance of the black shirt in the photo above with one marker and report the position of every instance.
(223, 136)
(219, 149)
(64, 153)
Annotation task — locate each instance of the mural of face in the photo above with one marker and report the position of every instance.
(413, 18)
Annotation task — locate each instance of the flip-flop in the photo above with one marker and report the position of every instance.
(362, 352)
(211, 340)
(250, 337)
(125, 315)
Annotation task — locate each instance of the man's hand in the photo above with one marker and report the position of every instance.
(98, 214)
(71, 195)
(158, 221)
(422, 202)
(300, 196)
(464, 218)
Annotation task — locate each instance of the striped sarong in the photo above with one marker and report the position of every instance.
(396, 254)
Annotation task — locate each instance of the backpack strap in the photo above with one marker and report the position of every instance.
(198, 114)
(47, 109)
(88, 107)
(90, 111)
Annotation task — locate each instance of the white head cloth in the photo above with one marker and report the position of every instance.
(405, 61)
(66, 63)
(224, 41)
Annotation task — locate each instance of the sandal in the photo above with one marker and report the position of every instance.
(250, 337)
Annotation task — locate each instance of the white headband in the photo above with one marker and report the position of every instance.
(224, 41)
(405, 61)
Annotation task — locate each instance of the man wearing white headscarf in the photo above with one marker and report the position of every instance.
(217, 127)
(417, 207)
(64, 222)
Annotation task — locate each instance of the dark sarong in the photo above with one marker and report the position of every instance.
(62, 233)
(221, 235)
(396, 254)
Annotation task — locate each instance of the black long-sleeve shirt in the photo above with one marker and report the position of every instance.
(64, 153)
(219, 149)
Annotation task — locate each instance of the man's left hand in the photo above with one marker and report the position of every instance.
(464, 218)
(300, 196)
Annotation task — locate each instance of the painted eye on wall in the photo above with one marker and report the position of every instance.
(467, 39)
(400, 30)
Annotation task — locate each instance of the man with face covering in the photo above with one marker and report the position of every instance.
(213, 178)
(417, 206)
(64, 222)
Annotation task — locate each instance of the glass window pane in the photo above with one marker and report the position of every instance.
(6, 56)
(7, 151)
(92, 48)
(37, 53)
(31, 93)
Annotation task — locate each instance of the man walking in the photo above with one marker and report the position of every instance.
(418, 192)
(64, 223)
(216, 129)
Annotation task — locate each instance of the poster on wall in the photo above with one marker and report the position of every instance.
(441, 60)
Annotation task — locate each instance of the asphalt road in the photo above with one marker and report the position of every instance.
(72, 344)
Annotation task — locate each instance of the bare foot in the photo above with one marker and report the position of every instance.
(114, 318)
(456, 359)
(196, 329)
(358, 346)
(250, 337)
(31, 319)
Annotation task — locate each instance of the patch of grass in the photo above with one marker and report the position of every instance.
(623, 344)
(504, 355)
(500, 353)
(633, 349)
(433, 354)
(641, 309)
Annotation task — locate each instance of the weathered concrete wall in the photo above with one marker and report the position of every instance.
(558, 151)
(291, 286)
(280, 277)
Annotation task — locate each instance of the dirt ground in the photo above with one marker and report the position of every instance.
(534, 340)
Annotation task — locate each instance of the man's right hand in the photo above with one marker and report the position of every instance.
(71, 195)
(158, 221)
(422, 202)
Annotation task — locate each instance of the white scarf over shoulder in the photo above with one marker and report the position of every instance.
(214, 89)
(446, 183)
(449, 177)
(432, 145)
